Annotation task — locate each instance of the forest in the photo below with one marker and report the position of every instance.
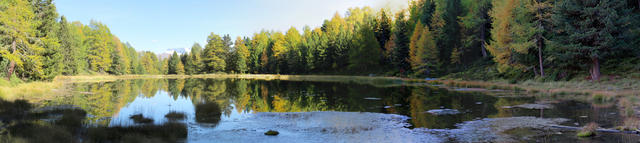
(549, 40)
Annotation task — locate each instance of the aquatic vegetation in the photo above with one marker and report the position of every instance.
(208, 113)
(589, 130)
(138, 118)
(169, 132)
(629, 124)
(32, 91)
(271, 133)
(173, 115)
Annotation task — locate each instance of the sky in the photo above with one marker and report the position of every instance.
(158, 25)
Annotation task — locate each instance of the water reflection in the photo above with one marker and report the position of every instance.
(210, 103)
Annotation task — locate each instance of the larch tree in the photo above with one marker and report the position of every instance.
(17, 30)
(423, 53)
(242, 53)
(500, 45)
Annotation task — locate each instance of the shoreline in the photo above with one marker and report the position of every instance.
(607, 88)
(36, 91)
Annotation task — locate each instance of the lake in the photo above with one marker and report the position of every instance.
(237, 110)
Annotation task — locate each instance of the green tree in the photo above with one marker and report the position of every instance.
(294, 57)
(46, 32)
(17, 29)
(174, 60)
(423, 53)
(70, 48)
(476, 25)
(382, 28)
(590, 31)
(242, 53)
(400, 48)
(449, 41)
(213, 55)
(99, 42)
(193, 64)
(365, 56)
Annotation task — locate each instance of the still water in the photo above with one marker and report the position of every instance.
(233, 110)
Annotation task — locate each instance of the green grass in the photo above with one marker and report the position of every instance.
(32, 91)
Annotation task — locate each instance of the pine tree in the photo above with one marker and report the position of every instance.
(400, 48)
(46, 31)
(366, 55)
(382, 28)
(174, 60)
(69, 46)
(193, 64)
(591, 31)
(449, 41)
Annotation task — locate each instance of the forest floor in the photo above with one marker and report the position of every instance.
(42, 90)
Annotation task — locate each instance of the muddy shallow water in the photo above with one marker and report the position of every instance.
(228, 110)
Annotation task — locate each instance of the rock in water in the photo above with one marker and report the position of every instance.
(444, 111)
(271, 133)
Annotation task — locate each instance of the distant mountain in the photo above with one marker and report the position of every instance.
(167, 53)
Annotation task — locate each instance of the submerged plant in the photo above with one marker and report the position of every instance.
(173, 115)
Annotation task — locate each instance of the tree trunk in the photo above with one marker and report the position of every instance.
(595, 69)
(539, 40)
(12, 64)
(483, 37)
(540, 56)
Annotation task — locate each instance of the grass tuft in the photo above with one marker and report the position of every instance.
(589, 130)
(138, 118)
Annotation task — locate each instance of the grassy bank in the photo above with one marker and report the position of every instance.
(317, 78)
(32, 91)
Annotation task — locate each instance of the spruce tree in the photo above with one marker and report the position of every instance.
(591, 31)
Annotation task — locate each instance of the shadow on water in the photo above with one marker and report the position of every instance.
(109, 110)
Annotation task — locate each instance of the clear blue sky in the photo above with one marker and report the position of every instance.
(157, 25)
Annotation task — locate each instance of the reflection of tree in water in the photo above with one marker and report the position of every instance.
(423, 99)
(291, 96)
(175, 87)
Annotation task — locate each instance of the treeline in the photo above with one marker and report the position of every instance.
(38, 44)
(553, 39)
(513, 39)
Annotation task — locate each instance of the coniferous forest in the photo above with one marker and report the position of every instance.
(469, 39)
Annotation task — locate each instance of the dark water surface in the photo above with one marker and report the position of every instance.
(231, 110)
